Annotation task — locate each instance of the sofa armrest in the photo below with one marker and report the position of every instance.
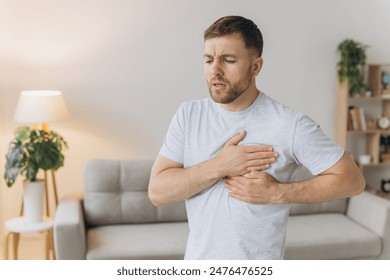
(373, 213)
(69, 229)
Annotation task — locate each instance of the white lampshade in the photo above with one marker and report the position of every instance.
(41, 106)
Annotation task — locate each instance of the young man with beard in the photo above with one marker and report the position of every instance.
(235, 157)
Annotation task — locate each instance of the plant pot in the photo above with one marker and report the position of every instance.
(33, 201)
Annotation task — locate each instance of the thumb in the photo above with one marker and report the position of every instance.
(236, 139)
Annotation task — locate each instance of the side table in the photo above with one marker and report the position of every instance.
(18, 225)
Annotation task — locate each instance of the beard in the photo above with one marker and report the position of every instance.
(231, 91)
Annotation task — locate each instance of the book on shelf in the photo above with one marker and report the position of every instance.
(356, 119)
(386, 93)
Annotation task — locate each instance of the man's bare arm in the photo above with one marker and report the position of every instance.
(344, 179)
(170, 182)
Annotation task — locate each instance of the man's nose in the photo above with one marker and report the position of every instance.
(216, 69)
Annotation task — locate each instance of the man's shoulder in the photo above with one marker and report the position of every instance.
(280, 108)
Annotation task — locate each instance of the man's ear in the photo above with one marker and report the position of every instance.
(257, 65)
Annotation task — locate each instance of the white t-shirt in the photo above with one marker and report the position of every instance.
(225, 228)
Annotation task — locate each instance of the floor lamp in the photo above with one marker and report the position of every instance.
(42, 107)
(39, 106)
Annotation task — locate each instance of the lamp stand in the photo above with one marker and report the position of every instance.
(53, 177)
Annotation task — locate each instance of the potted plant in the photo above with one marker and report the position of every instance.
(30, 151)
(351, 65)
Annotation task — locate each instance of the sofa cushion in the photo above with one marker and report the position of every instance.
(138, 241)
(336, 206)
(333, 236)
(116, 192)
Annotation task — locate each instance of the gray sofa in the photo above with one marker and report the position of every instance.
(114, 219)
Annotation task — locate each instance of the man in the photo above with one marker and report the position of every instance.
(235, 157)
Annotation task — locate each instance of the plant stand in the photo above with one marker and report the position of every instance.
(17, 225)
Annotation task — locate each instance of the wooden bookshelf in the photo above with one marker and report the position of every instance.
(379, 104)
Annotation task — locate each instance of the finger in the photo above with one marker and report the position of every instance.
(258, 162)
(254, 174)
(261, 155)
(258, 168)
(242, 186)
(258, 148)
(236, 138)
(234, 191)
(236, 180)
(235, 184)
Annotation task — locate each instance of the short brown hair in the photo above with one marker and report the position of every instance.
(231, 24)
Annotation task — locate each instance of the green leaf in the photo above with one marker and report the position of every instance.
(31, 171)
(351, 65)
(31, 150)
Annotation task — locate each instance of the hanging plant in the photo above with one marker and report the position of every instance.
(351, 65)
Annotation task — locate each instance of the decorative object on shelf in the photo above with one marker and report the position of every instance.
(371, 124)
(379, 80)
(351, 64)
(35, 149)
(364, 159)
(385, 186)
(385, 80)
(383, 122)
(385, 158)
(382, 144)
(384, 149)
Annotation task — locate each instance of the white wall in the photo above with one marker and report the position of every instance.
(124, 66)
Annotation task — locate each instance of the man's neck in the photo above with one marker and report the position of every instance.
(242, 102)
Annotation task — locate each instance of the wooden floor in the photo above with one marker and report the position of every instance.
(31, 247)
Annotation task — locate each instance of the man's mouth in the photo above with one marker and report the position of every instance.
(218, 84)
